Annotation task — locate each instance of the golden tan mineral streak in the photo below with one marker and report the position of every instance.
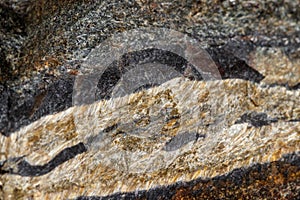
(126, 138)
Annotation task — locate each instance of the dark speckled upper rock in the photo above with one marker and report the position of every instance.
(43, 44)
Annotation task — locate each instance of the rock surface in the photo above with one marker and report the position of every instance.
(180, 131)
(44, 44)
(236, 138)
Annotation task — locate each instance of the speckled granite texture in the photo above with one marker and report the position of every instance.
(43, 44)
(254, 44)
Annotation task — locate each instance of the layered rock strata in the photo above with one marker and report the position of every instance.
(43, 44)
(175, 133)
(238, 143)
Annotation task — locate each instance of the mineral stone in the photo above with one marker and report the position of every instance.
(178, 132)
(236, 138)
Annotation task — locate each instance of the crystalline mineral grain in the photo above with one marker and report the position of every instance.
(180, 131)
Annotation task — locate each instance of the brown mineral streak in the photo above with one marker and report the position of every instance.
(95, 172)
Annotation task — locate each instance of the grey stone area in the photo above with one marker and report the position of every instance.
(256, 119)
(182, 139)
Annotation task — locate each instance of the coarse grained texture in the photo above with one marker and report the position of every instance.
(45, 43)
(42, 47)
(179, 131)
(60, 31)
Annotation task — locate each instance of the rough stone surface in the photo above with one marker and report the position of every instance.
(42, 43)
(245, 150)
(180, 131)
